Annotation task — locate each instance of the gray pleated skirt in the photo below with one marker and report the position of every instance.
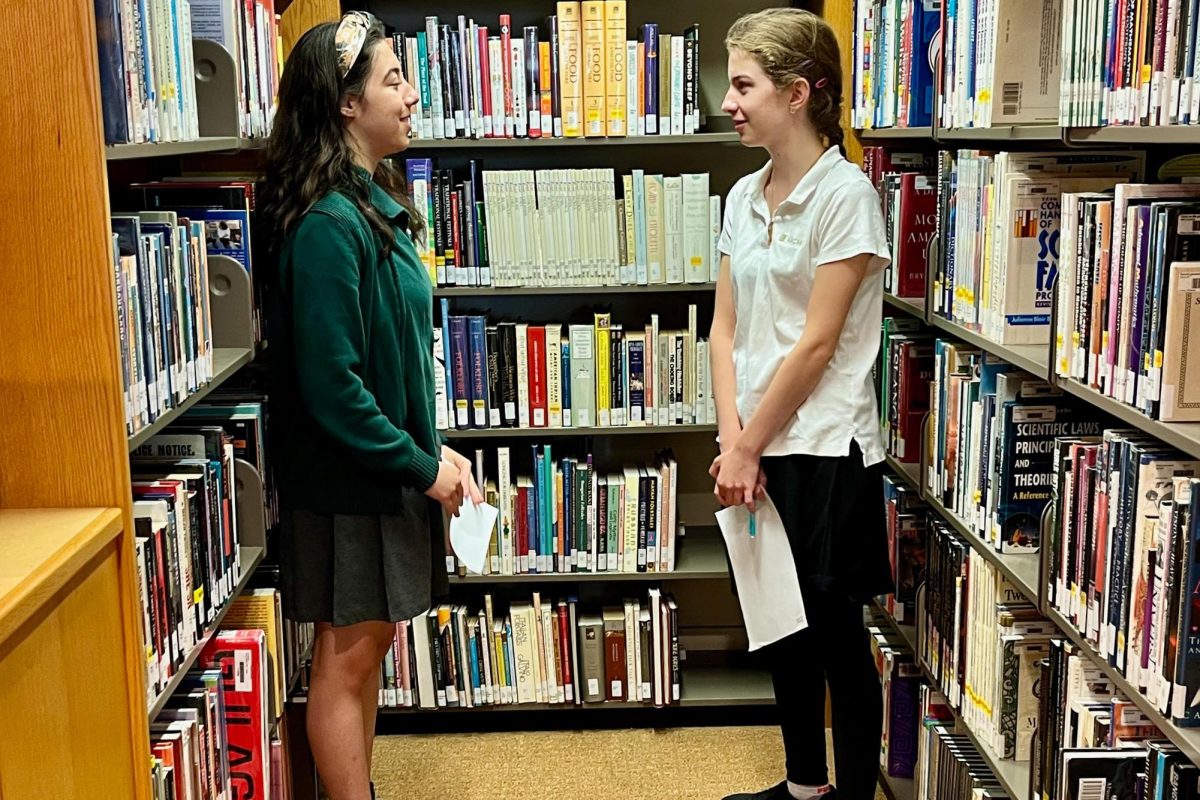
(349, 568)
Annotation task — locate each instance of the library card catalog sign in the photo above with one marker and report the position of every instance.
(768, 587)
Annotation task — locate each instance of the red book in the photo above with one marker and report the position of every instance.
(241, 656)
(522, 548)
(564, 647)
(918, 223)
(536, 340)
(456, 229)
(506, 70)
(485, 83)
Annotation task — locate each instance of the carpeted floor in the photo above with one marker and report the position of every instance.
(671, 764)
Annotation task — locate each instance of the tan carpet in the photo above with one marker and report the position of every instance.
(672, 764)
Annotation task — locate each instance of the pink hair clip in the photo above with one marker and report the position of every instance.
(820, 84)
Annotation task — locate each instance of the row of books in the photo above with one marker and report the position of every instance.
(187, 543)
(903, 374)
(990, 650)
(893, 69)
(901, 680)
(216, 737)
(521, 375)
(564, 227)
(1085, 63)
(579, 75)
(1129, 272)
(908, 193)
(569, 514)
(990, 441)
(147, 65)
(546, 651)
(999, 232)
(162, 265)
(164, 320)
(907, 523)
(1121, 568)
(1129, 63)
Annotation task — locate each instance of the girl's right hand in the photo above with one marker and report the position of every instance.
(448, 488)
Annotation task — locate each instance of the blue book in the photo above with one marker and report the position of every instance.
(921, 95)
(650, 85)
(568, 531)
(478, 377)
(113, 104)
(449, 364)
(460, 356)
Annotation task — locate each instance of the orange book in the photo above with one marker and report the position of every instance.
(546, 89)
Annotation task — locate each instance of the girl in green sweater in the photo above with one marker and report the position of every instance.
(364, 475)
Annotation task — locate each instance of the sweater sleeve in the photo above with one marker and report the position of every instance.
(329, 344)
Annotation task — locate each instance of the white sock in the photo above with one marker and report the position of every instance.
(807, 792)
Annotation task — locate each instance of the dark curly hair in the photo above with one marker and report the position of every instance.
(308, 154)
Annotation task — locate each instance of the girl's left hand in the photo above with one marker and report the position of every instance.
(740, 480)
(470, 488)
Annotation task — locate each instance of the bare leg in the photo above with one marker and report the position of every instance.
(345, 661)
(370, 705)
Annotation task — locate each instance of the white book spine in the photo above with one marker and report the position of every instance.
(676, 85)
(522, 375)
(672, 228)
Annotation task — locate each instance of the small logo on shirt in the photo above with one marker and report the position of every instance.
(787, 237)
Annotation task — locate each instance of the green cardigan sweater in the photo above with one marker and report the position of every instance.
(352, 353)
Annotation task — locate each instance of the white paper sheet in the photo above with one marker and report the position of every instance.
(471, 533)
(768, 587)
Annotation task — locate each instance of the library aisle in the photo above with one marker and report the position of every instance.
(1037, 380)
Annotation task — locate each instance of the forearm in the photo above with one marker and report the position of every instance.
(794, 381)
(729, 424)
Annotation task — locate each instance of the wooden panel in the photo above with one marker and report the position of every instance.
(60, 380)
(301, 15)
(65, 672)
(840, 15)
(41, 551)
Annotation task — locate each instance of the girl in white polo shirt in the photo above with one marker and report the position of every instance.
(795, 333)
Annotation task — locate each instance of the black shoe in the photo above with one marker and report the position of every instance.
(777, 792)
(372, 791)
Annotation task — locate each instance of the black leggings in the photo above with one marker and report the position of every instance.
(835, 647)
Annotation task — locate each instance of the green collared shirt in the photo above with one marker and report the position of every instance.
(355, 336)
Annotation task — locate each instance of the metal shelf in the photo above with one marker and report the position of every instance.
(621, 430)
(1133, 134)
(209, 144)
(700, 557)
(250, 558)
(1183, 435)
(871, 134)
(701, 687)
(521, 291)
(1020, 568)
(1187, 739)
(909, 305)
(226, 361)
(1033, 358)
(1002, 133)
(722, 137)
(910, 473)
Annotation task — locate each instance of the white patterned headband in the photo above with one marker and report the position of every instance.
(349, 39)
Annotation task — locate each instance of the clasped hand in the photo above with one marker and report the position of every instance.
(454, 482)
(740, 479)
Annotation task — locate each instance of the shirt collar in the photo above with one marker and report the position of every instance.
(383, 202)
(802, 191)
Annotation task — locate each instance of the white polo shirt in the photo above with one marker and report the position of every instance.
(831, 215)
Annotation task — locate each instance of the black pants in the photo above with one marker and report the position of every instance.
(835, 647)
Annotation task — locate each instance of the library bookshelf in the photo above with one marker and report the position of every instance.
(1028, 572)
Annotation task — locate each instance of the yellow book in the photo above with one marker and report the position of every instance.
(570, 70)
(594, 98)
(603, 371)
(261, 609)
(616, 81)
